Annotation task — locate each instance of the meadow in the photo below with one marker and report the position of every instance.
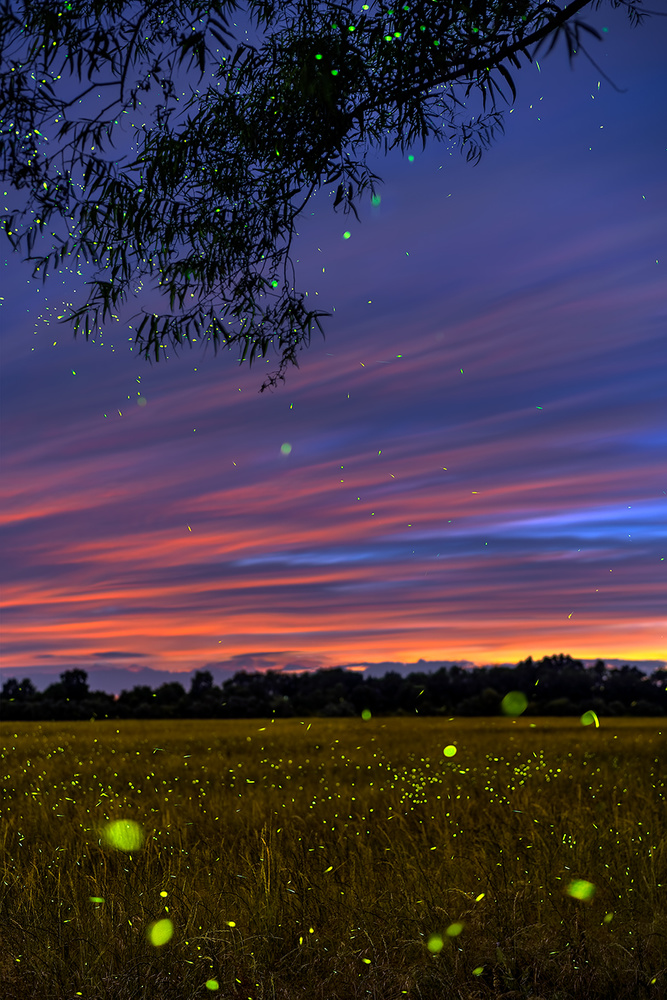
(391, 858)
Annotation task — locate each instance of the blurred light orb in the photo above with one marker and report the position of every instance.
(514, 703)
(124, 835)
(159, 932)
(579, 888)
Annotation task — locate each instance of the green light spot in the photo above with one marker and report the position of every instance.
(450, 750)
(375, 199)
(581, 889)
(478, 971)
(212, 984)
(608, 917)
(159, 932)
(96, 899)
(124, 835)
(514, 703)
(435, 944)
(286, 448)
(454, 930)
(334, 72)
(590, 717)
(365, 715)
(319, 55)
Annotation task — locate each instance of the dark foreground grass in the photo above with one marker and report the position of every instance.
(334, 858)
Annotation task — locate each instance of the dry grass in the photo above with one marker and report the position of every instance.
(335, 858)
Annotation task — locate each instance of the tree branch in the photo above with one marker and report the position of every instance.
(483, 62)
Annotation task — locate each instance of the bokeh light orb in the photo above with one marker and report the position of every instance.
(124, 835)
(514, 703)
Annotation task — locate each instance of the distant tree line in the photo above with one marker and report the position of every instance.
(556, 685)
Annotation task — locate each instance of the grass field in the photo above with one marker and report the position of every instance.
(334, 858)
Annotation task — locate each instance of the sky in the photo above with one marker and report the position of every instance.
(469, 467)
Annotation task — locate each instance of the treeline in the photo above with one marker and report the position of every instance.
(556, 685)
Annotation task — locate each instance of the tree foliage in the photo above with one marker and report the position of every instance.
(209, 205)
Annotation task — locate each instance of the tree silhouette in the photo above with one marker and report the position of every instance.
(13, 691)
(555, 685)
(201, 683)
(75, 684)
(210, 206)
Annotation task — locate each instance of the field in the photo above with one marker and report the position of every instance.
(334, 858)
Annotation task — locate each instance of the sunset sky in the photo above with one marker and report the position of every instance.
(470, 467)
